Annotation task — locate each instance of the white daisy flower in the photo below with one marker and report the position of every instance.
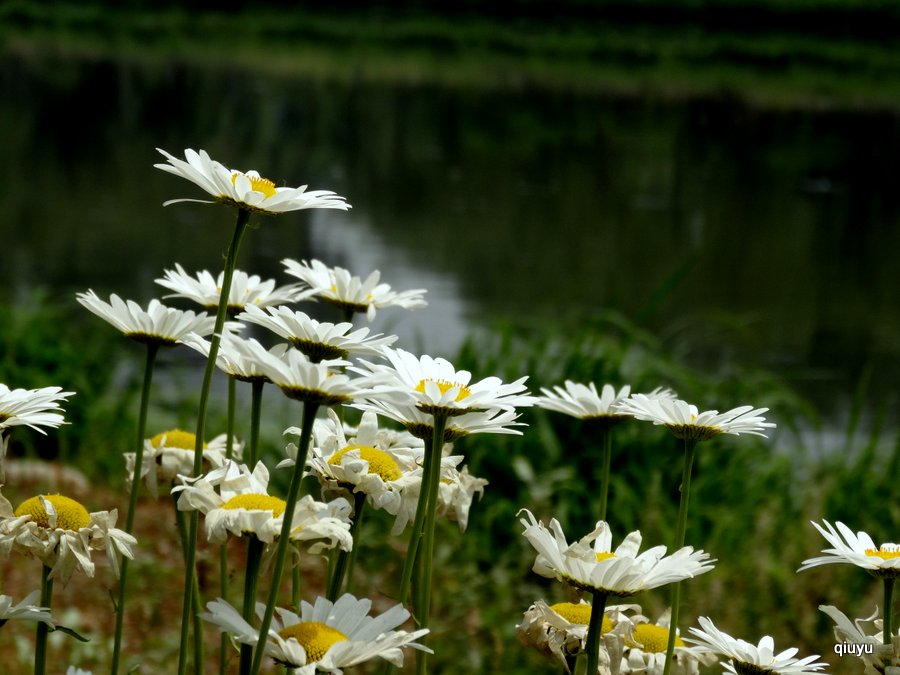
(645, 650)
(34, 408)
(857, 549)
(747, 659)
(25, 610)
(457, 491)
(157, 324)
(597, 567)
(338, 287)
(583, 401)
(685, 421)
(318, 340)
(246, 290)
(242, 506)
(865, 642)
(325, 636)
(303, 380)
(433, 385)
(237, 357)
(244, 190)
(61, 533)
(171, 453)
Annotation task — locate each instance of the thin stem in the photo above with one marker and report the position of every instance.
(40, 650)
(424, 594)
(195, 591)
(223, 548)
(152, 350)
(240, 227)
(295, 580)
(344, 559)
(689, 446)
(229, 420)
(255, 408)
(310, 409)
(251, 577)
(592, 646)
(887, 620)
(606, 444)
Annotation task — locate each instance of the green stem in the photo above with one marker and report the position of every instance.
(251, 577)
(344, 559)
(195, 591)
(430, 475)
(887, 620)
(152, 350)
(255, 408)
(295, 581)
(229, 420)
(310, 409)
(606, 444)
(689, 446)
(424, 594)
(223, 548)
(40, 650)
(240, 227)
(592, 646)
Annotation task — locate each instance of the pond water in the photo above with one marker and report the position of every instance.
(687, 215)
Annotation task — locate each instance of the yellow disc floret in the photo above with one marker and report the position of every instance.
(605, 555)
(316, 638)
(70, 515)
(445, 386)
(651, 638)
(257, 184)
(175, 438)
(379, 461)
(886, 551)
(580, 613)
(256, 502)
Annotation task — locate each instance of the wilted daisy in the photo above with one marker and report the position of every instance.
(244, 190)
(865, 642)
(318, 340)
(685, 421)
(338, 287)
(25, 610)
(171, 453)
(856, 549)
(645, 650)
(747, 659)
(591, 564)
(61, 533)
(242, 506)
(157, 324)
(246, 289)
(325, 636)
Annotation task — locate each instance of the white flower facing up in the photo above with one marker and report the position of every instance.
(244, 189)
(591, 564)
(748, 659)
(318, 340)
(876, 657)
(685, 421)
(157, 324)
(61, 533)
(325, 636)
(856, 549)
(246, 289)
(338, 287)
(25, 610)
(242, 506)
(645, 650)
(171, 453)
(34, 408)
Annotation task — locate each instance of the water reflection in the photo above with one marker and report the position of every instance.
(536, 203)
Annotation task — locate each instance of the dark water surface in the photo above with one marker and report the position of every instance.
(771, 234)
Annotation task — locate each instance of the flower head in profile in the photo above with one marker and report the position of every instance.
(584, 402)
(244, 189)
(591, 563)
(34, 408)
(685, 421)
(326, 636)
(157, 324)
(876, 656)
(338, 287)
(304, 380)
(26, 609)
(61, 533)
(247, 290)
(236, 502)
(318, 340)
(238, 357)
(171, 453)
(748, 659)
(856, 549)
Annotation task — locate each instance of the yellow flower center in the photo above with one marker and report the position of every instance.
(70, 515)
(605, 555)
(176, 438)
(379, 461)
(445, 386)
(580, 613)
(315, 638)
(651, 638)
(256, 502)
(257, 184)
(886, 551)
